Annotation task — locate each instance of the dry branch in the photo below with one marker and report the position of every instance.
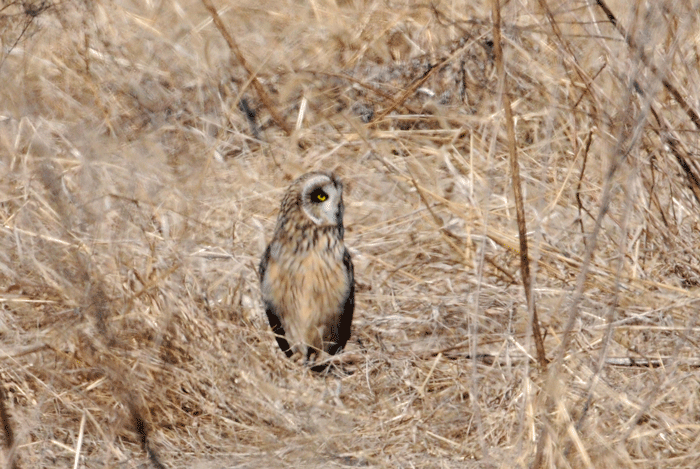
(517, 189)
(692, 115)
(685, 162)
(262, 94)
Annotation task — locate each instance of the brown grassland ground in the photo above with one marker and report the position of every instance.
(141, 167)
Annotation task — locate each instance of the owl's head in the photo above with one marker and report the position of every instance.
(321, 198)
(314, 200)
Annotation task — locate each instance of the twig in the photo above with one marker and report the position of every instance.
(652, 362)
(681, 154)
(515, 175)
(633, 44)
(399, 101)
(262, 94)
(581, 208)
(513, 360)
(692, 177)
(410, 90)
(79, 445)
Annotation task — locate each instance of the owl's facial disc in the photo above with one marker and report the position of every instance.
(323, 201)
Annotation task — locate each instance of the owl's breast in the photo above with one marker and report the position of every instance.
(314, 284)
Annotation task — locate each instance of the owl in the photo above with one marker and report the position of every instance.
(306, 273)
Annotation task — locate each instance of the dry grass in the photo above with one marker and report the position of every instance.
(137, 195)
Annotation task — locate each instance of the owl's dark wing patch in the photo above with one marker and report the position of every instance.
(272, 316)
(264, 260)
(347, 308)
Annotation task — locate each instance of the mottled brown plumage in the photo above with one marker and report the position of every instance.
(306, 273)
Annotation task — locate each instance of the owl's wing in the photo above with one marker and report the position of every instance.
(347, 308)
(272, 315)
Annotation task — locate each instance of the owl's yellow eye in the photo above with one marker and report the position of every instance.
(318, 196)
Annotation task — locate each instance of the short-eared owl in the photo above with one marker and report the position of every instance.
(306, 273)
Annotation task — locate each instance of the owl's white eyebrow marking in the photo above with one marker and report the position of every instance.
(315, 219)
(314, 183)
